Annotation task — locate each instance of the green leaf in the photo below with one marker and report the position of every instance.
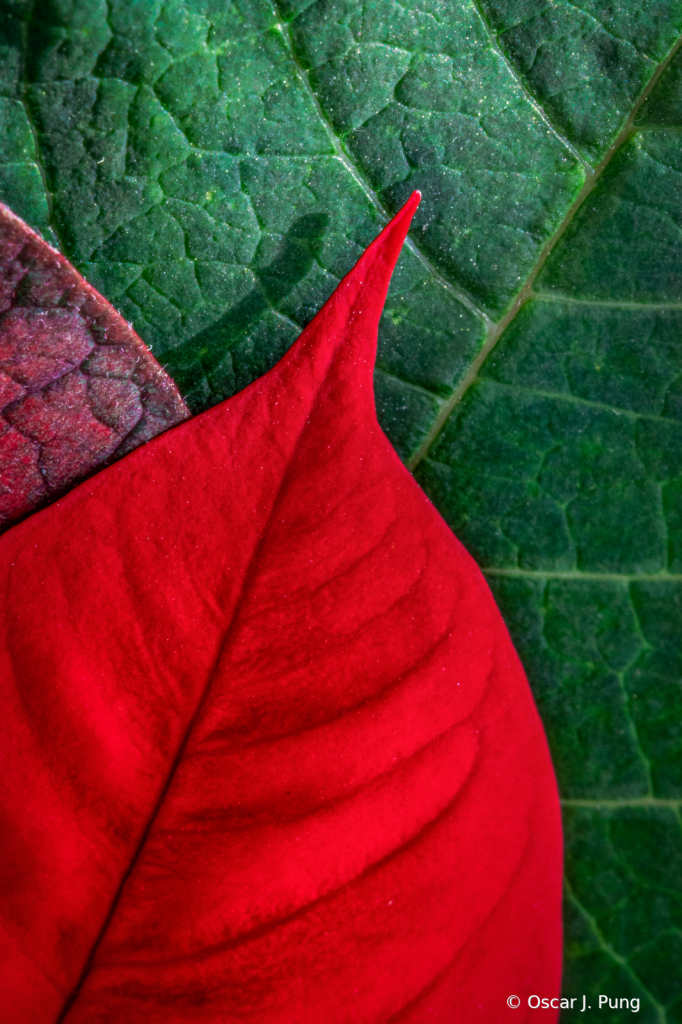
(214, 168)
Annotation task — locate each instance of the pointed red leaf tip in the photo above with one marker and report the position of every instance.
(270, 755)
(78, 387)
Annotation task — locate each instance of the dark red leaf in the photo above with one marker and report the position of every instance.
(78, 388)
(270, 755)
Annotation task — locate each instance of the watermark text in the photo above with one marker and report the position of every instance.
(578, 1003)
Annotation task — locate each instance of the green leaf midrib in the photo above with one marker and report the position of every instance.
(496, 330)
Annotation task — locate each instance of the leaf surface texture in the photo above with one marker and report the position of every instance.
(529, 358)
(78, 388)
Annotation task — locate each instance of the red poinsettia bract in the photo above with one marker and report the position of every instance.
(269, 755)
